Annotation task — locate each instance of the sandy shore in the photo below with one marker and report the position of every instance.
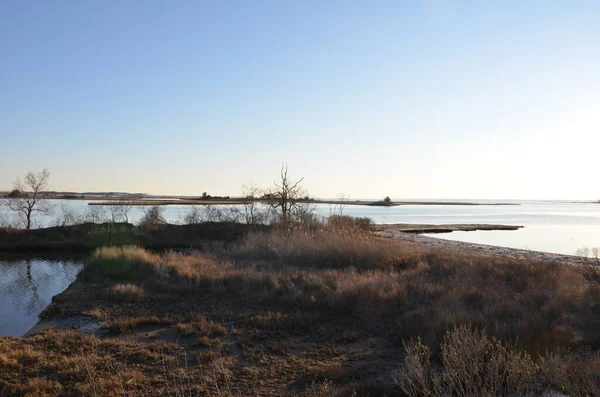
(484, 250)
(445, 228)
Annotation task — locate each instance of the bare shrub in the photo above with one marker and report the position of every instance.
(474, 364)
(590, 255)
(418, 377)
(195, 215)
(119, 213)
(153, 216)
(96, 214)
(252, 214)
(67, 216)
(203, 213)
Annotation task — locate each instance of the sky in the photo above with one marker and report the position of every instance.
(408, 99)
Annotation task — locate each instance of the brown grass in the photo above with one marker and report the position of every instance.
(329, 312)
(320, 248)
(127, 293)
(122, 325)
(68, 363)
(545, 306)
(201, 327)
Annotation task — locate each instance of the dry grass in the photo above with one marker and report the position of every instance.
(127, 293)
(68, 363)
(320, 248)
(123, 325)
(349, 224)
(335, 308)
(544, 306)
(201, 327)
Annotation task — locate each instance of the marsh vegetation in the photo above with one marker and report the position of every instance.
(327, 309)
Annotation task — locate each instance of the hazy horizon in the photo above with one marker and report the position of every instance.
(429, 100)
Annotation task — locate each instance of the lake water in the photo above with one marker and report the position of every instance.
(27, 286)
(558, 227)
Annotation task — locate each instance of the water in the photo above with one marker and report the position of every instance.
(558, 227)
(27, 286)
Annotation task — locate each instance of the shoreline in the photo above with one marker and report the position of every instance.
(316, 201)
(139, 200)
(483, 249)
(440, 228)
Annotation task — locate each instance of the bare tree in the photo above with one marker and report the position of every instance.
(96, 214)
(153, 216)
(288, 197)
(30, 198)
(339, 207)
(67, 216)
(119, 213)
(251, 214)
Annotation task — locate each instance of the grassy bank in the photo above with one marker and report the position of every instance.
(88, 236)
(327, 312)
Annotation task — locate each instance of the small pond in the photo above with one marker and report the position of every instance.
(27, 285)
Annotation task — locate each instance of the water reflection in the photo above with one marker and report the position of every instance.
(27, 286)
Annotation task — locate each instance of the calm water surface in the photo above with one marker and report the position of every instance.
(27, 286)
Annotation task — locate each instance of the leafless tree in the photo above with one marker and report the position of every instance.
(67, 216)
(251, 213)
(153, 216)
(96, 214)
(195, 215)
(288, 197)
(119, 213)
(30, 199)
(340, 206)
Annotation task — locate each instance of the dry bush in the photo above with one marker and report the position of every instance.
(474, 364)
(126, 293)
(417, 376)
(153, 216)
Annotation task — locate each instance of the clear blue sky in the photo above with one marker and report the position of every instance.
(423, 99)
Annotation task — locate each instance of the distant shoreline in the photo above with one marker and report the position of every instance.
(332, 202)
(443, 228)
(143, 200)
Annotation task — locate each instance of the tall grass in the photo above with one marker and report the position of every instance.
(471, 325)
(546, 306)
(319, 249)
